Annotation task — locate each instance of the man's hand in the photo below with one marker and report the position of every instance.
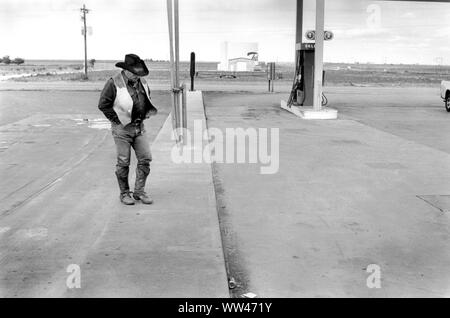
(116, 125)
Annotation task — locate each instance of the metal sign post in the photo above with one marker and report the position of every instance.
(271, 75)
(192, 70)
(184, 112)
(173, 20)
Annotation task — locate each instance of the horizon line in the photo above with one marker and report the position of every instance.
(218, 62)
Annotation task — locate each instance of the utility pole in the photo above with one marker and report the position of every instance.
(84, 11)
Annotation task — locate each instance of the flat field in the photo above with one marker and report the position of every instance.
(336, 74)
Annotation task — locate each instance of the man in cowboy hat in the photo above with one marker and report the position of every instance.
(125, 101)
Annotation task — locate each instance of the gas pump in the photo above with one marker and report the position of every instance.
(306, 98)
(303, 87)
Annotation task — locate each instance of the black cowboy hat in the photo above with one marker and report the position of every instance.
(134, 64)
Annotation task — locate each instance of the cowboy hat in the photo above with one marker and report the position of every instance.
(134, 64)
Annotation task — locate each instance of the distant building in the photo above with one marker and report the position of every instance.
(241, 64)
(238, 56)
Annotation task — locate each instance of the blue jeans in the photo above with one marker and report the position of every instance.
(125, 138)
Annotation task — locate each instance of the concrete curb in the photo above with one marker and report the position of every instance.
(192, 199)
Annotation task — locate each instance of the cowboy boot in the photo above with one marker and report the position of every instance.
(144, 197)
(125, 197)
(142, 173)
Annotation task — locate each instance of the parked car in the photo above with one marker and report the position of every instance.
(445, 94)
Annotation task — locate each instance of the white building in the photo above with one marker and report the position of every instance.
(241, 64)
(235, 56)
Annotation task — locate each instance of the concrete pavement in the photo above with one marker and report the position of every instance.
(347, 195)
(60, 207)
(369, 188)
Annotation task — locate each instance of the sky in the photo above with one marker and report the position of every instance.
(364, 31)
